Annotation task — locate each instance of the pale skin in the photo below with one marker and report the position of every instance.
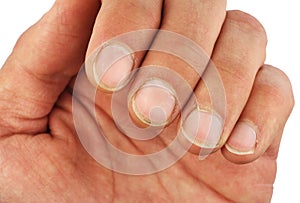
(41, 158)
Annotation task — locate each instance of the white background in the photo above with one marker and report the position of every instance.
(281, 20)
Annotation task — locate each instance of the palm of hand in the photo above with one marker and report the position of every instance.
(53, 166)
(57, 164)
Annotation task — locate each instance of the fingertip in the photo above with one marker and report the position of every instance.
(267, 109)
(241, 146)
(277, 81)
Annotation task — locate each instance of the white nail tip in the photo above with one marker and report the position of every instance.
(159, 83)
(237, 152)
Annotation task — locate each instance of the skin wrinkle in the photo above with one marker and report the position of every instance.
(44, 52)
(39, 100)
(11, 118)
(10, 127)
(66, 172)
(153, 20)
(65, 108)
(271, 152)
(114, 192)
(88, 178)
(202, 182)
(13, 148)
(62, 177)
(103, 112)
(62, 106)
(60, 44)
(49, 182)
(274, 92)
(139, 150)
(12, 96)
(15, 116)
(249, 23)
(149, 19)
(164, 188)
(204, 28)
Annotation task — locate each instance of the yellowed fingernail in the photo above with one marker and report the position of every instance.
(242, 140)
(204, 129)
(154, 103)
(112, 67)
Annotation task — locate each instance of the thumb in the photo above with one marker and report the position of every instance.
(42, 63)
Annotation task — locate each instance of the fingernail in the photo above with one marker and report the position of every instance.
(154, 103)
(203, 128)
(112, 67)
(242, 140)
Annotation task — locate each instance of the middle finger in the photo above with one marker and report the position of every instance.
(200, 21)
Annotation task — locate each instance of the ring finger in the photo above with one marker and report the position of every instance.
(238, 54)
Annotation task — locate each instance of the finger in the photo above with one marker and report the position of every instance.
(238, 54)
(114, 61)
(261, 124)
(42, 63)
(199, 21)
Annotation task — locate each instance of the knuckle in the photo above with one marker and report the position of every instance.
(143, 14)
(237, 73)
(150, 12)
(247, 23)
(153, 20)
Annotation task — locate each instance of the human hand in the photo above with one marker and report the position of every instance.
(41, 158)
